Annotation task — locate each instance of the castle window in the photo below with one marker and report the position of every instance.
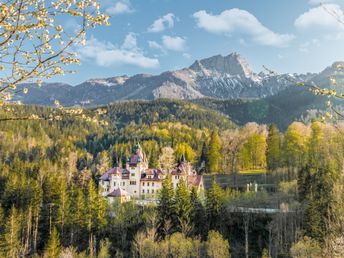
(132, 182)
(143, 183)
(153, 184)
(148, 184)
(114, 183)
(123, 183)
(148, 191)
(132, 174)
(143, 191)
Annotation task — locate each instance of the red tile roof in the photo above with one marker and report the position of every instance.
(194, 180)
(119, 192)
(153, 173)
(106, 176)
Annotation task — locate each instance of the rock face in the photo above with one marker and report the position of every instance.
(222, 77)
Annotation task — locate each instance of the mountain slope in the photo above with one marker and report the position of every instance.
(166, 110)
(223, 77)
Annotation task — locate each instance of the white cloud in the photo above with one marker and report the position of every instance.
(119, 8)
(321, 17)
(155, 45)
(167, 21)
(174, 43)
(72, 25)
(305, 47)
(241, 22)
(187, 55)
(106, 54)
(318, 2)
(130, 42)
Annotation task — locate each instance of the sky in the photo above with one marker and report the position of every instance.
(153, 36)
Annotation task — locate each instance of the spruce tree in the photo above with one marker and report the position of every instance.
(63, 210)
(166, 208)
(53, 247)
(92, 215)
(10, 242)
(214, 205)
(78, 210)
(102, 214)
(203, 160)
(183, 207)
(320, 202)
(197, 214)
(92, 207)
(2, 219)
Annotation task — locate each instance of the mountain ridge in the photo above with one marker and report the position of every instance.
(218, 77)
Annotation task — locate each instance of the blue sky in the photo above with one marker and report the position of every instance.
(152, 36)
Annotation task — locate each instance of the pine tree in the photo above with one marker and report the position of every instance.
(182, 207)
(92, 215)
(104, 251)
(10, 242)
(63, 210)
(316, 183)
(78, 210)
(203, 160)
(165, 209)
(2, 219)
(273, 151)
(214, 152)
(197, 214)
(53, 247)
(92, 207)
(315, 149)
(214, 205)
(102, 213)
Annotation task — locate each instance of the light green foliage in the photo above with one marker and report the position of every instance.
(177, 245)
(216, 246)
(306, 248)
(273, 149)
(104, 251)
(265, 253)
(252, 154)
(180, 246)
(63, 210)
(53, 247)
(214, 152)
(10, 240)
(183, 150)
(295, 145)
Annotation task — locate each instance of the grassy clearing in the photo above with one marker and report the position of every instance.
(243, 178)
(253, 171)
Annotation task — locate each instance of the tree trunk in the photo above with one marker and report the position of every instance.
(246, 223)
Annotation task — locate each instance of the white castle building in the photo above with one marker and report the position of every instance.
(140, 182)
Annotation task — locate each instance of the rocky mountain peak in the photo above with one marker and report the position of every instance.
(233, 64)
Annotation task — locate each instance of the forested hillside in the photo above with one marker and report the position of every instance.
(293, 104)
(50, 165)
